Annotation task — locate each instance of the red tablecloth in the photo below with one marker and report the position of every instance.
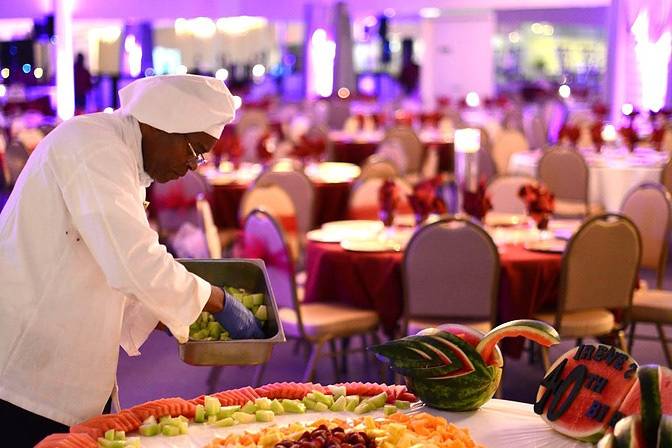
(372, 280)
(331, 202)
(357, 152)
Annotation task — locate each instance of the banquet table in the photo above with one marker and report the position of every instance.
(356, 148)
(611, 173)
(331, 197)
(499, 423)
(373, 280)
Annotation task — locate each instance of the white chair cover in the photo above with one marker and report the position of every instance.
(208, 227)
(507, 143)
(503, 192)
(299, 188)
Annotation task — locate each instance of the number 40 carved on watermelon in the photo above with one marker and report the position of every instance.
(591, 387)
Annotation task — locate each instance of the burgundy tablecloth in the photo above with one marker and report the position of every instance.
(357, 152)
(373, 281)
(331, 202)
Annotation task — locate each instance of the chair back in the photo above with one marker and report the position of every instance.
(666, 141)
(263, 238)
(207, 224)
(411, 145)
(649, 207)
(535, 130)
(272, 199)
(363, 203)
(174, 202)
(503, 192)
(507, 142)
(249, 119)
(666, 176)
(299, 188)
(377, 166)
(600, 266)
(450, 269)
(565, 172)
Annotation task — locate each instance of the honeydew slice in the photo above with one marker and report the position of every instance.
(244, 417)
(277, 408)
(339, 404)
(250, 408)
(389, 409)
(351, 402)
(227, 411)
(293, 406)
(212, 405)
(199, 414)
(263, 404)
(149, 429)
(337, 391)
(264, 416)
(225, 422)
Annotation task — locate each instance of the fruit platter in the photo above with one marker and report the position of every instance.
(296, 414)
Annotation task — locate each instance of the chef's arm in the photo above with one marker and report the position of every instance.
(108, 214)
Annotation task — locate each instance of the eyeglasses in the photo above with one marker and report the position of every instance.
(200, 160)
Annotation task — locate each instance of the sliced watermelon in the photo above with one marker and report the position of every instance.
(470, 335)
(594, 405)
(628, 433)
(536, 330)
(665, 432)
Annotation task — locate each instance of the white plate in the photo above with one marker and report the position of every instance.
(356, 225)
(371, 245)
(323, 236)
(498, 424)
(552, 246)
(496, 219)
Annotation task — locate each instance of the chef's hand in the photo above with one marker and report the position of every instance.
(215, 303)
(238, 320)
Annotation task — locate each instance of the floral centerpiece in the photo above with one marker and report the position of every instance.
(388, 199)
(425, 200)
(540, 203)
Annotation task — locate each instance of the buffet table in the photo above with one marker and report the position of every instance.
(611, 173)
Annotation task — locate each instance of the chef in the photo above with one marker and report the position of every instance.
(81, 271)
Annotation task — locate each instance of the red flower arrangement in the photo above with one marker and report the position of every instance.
(476, 203)
(425, 200)
(540, 203)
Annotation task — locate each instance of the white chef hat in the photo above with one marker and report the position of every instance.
(179, 104)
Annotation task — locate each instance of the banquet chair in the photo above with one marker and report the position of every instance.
(207, 225)
(450, 273)
(377, 166)
(666, 141)
(317, 323)
(363, 202)
(503, 192)
(649, 206)
(174, 202)
(566, 174)
(249, 119)
(666, 176)
(507, 142)
(411, 145)
(598, 276)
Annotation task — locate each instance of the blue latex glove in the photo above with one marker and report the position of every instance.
(238, 320)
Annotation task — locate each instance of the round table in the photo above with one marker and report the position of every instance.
(611, 174)
(372, 280)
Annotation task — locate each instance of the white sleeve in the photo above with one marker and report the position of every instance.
(101, 196)
(137, 325)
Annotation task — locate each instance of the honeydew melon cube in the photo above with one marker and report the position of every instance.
(264, 415)
(258, 298)
(321, 407)
(294, 406)
(351, 402)
(337, 391)
(119, 435)
(250, 408)
(151, 420)
(182, 418)
(204, 318)
(309, 403)
(109, 434)
(263, 404)
(149, 429)
(248, 302)
(378, 401)
(166, 419)
(212, 405)
(200, 335)
(323, 398)
(261, 313)
(199, 415)
(389, 409)
(339, 404)
(363, 407)
(196, 326)
(211, 419)
(214, 329)
(183, 426)
(105, 443)
(227, 421)
(277, 408)
(402, 404)
(244, 417)
(170, 431)
(227, 411)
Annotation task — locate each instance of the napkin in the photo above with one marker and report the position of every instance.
(539, 202)
(476, 203)
(388, 199)
(425, 200)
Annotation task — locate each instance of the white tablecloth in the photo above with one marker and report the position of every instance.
(611, 176)
(498, 424)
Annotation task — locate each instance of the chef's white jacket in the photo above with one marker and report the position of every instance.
(81, 271)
